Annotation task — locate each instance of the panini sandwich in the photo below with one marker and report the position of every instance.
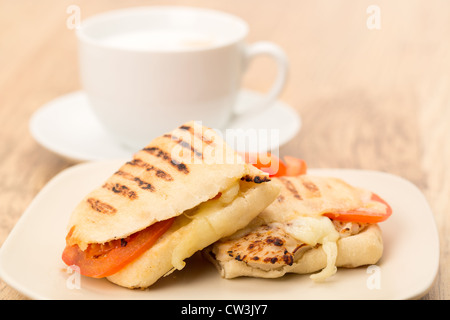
(315, 225)
(181, 193)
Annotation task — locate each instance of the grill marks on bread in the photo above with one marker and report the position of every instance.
(198, 135)
(255, 179)
(307, 188)
(312, 188)
(184, 144)
(129, 190)
(142, 184)
(121, 190)
(290, 186)
(150, 168)
(141, 174)
(193, 134)
(159, 153)
(100, 206)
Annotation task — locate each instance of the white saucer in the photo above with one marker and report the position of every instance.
(67, 126)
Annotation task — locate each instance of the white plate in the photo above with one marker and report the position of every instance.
(30, 258)
(67, 127)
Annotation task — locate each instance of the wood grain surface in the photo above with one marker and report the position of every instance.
(369, 98)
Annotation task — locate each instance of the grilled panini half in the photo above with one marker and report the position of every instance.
(189, 177)
(293, 236)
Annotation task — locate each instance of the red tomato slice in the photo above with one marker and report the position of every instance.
(266, 162)
(295, 166)
(103, 260)
(361, 215)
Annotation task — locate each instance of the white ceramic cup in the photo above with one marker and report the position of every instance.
(146, 70)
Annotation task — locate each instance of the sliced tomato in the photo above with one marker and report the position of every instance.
(361, 215)
(295, 166)
(266, 162)
(103, 260)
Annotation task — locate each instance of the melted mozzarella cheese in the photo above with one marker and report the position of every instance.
(313, 231)
(229, 194)
(202, 218)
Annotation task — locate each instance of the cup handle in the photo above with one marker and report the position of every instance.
(273, 50)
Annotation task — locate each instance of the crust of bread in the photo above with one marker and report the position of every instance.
(364, 248)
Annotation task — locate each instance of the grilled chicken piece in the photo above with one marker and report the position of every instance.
(266, 247)
(269, 247)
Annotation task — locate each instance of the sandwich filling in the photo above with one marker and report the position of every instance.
(275, 245)
(100, 260)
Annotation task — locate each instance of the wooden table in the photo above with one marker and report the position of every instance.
(372, 96)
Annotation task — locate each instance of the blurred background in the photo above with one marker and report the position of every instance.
(371, 94)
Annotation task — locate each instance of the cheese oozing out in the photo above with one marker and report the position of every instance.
(313, 231)
(205, 217)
